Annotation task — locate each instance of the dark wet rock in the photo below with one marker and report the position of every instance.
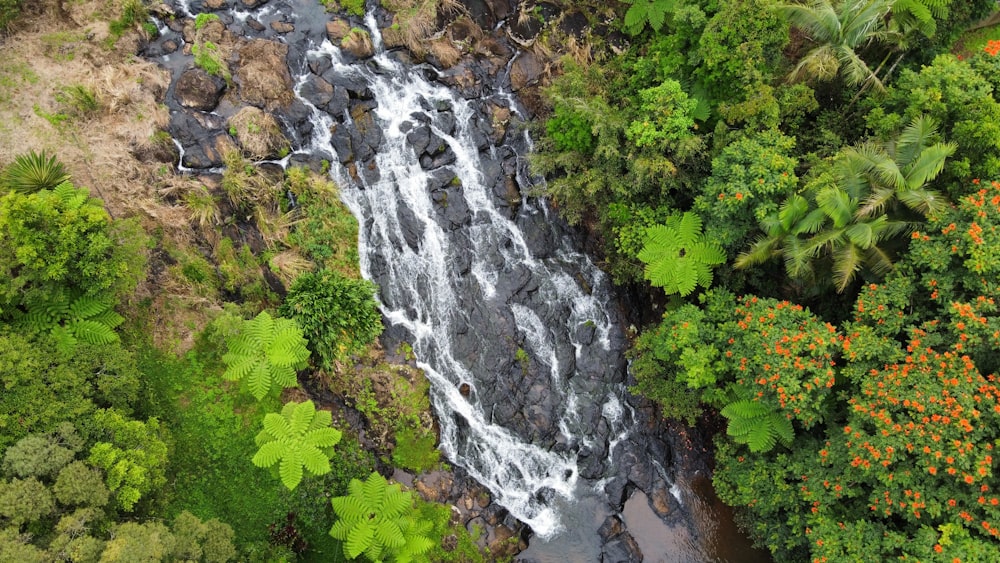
(575, 24)
(446, 122)
(441, 178)
(622, 549)
(439, 159)
(255, 25)
(208, 152)
(611, 527)
(527, 70)
(319, 92)
(451, 206)
(340, 140)
(537, 234)
(297, 117)
(413, 228)
(319, 65)
(661, 501)
(463, 78)
(356, 86)
(197, 89)
(419, 138)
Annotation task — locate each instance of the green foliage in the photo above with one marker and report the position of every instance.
(379, 520)
(202, 19)
(641, 12)
(42, 455)
(9, 10)
(25, 500)
(208, 58)
(62, 240)
(678, 257)
(77, 101)
(31, 172)
(748, 178)
(665, 117)
(300, 437)
(415, 450)
(79, 484)
(569, 130)
(213, 437)
(960, 99)
(338, 315)
(85, 318)
(327, 232)
(740, 52)
(266, 352)
(210, 541)
(839, 32)
(132, 453)
(133, 14)
(757, 425)
(42, 388)
(854, 210)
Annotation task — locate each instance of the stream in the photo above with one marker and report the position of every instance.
(515, 327)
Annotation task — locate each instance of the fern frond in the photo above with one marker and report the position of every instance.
(268, 454)
(259, 380)
(323, 437)
(290, 468)
(92, 332)
(359, 539)
(238, 366)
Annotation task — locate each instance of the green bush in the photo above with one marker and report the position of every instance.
(570, 130)
(201, 20)
(338, 315)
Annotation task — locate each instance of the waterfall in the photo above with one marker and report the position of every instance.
(422, 291)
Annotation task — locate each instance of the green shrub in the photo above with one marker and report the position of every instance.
(201, 20)
(339, 316)
(208, 58)
(570, 130)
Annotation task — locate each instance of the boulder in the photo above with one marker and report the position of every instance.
(358, 44)
(197, 89)
(527, 70)
(282, 27)
(263, 74)
(337, 30)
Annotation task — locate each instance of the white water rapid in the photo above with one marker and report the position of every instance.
(420, 285)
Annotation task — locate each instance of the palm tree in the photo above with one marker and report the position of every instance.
(839, 33)
(853, 209)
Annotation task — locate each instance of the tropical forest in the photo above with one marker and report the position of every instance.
(499, 280)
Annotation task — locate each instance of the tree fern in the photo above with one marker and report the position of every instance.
(69, 320)
(678, 256)
(757, 425)
(298, 438)
(653, 12)
(266, 352)
(379, 520)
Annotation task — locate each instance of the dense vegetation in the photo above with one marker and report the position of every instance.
(836, 164)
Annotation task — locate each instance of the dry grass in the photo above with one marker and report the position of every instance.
(288, 265)
(415, 21)
(258, 133)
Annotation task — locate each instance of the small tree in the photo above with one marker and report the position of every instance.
(379, 520)
(299, 437)
(267, 352)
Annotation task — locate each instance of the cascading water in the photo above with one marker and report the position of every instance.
(510, 324)
(420, 288)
